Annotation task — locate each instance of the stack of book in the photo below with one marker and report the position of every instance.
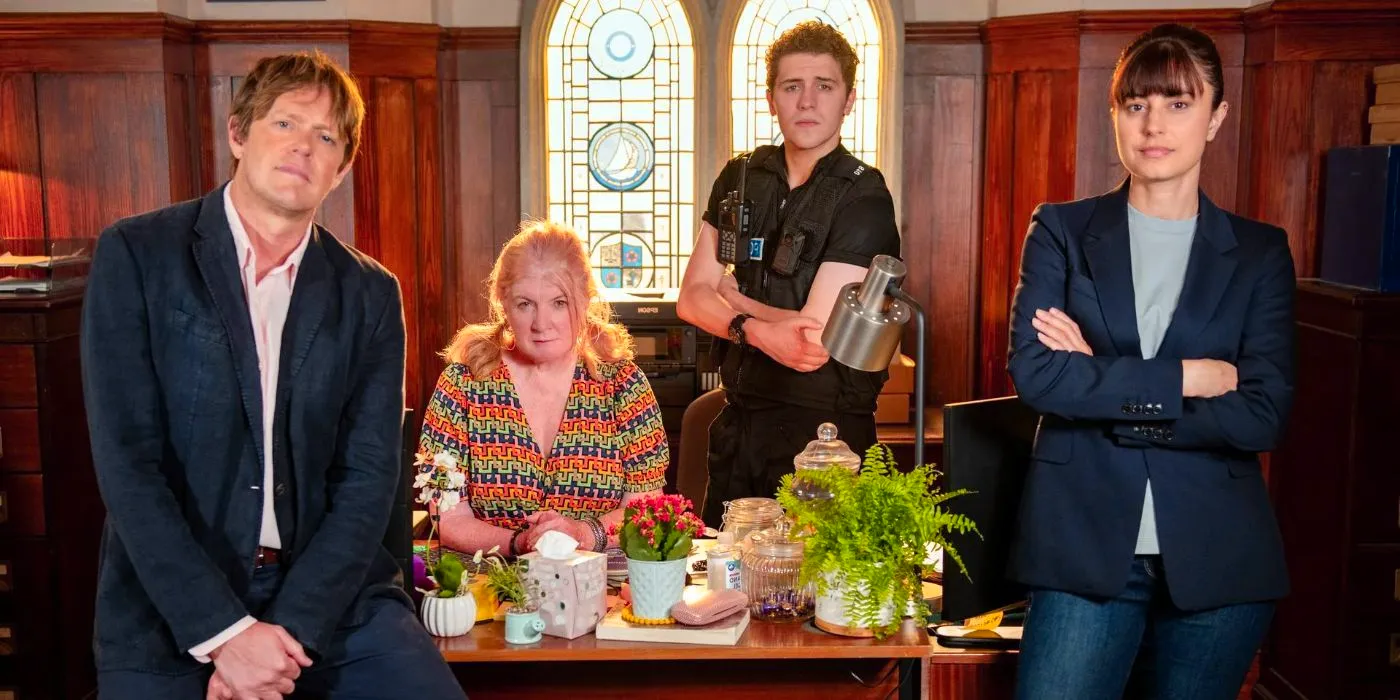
(1385, 114)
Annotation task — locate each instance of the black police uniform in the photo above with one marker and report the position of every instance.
(843, 213)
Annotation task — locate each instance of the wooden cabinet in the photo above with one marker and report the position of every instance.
(50, 512)
(1336, 487)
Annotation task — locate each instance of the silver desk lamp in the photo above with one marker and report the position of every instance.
(866, 323)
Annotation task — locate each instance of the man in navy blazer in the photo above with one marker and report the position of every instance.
(243, 372)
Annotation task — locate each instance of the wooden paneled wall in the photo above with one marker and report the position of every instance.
(943, 116)
(481, 169)
(1031, 132)
(1307, 82)
(999, 117)
(93, 128)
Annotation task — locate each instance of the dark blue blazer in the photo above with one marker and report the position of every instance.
(171, 382)
(1112, 420)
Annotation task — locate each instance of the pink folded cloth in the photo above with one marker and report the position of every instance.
(710, 606)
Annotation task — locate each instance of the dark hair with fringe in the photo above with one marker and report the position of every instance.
(1168, 60)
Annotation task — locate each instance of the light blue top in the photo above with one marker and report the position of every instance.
(1161, 249)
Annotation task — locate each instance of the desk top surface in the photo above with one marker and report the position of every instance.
(762, 640)
(903, 433)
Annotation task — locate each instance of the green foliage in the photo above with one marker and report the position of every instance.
(448, 575)
(509, 583)
(873, 533)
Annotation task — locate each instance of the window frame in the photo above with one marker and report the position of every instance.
(712, 26)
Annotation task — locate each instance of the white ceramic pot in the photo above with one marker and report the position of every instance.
(656, 586)
(448, 617)
(832, 615)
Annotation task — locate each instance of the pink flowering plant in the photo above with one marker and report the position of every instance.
(658, 528)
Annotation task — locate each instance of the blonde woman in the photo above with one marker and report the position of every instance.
(555, 425)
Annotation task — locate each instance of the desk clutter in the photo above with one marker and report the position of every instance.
(668, 578)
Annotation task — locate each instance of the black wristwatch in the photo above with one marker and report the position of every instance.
(736, 329)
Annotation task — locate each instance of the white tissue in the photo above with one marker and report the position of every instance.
(556, 545)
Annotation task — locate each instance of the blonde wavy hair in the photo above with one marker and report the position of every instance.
(553, 249)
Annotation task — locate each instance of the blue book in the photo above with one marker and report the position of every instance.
(1360, 236)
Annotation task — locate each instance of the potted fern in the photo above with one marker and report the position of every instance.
(867, 543)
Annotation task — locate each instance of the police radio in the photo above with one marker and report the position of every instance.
(735, 214)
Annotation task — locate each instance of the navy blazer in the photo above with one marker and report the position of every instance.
(174, 405)
(1112, 420)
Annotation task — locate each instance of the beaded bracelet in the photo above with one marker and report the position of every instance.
(600, 535)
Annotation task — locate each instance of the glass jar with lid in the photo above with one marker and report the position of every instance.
(746, 515)
(772, 568)
(823, 453)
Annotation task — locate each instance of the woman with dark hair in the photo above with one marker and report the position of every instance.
(1154, 333)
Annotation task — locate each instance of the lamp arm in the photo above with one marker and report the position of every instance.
(900, 294)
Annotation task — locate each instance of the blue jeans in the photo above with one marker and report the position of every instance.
(1137, 645)
(390, 656)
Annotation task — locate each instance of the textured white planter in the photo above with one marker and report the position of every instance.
(832, 614)
(448, 617)
(656, 586)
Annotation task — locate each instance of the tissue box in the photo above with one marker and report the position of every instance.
(574, 591)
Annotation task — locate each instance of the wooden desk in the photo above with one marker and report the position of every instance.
(771, 660)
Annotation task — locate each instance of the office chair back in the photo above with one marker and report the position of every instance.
(693, 471)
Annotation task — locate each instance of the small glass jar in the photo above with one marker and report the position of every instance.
(823, 453)
(771, 568)
(743, 516)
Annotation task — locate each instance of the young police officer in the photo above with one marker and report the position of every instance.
(797, 222)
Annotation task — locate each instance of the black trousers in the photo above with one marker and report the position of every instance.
(752, 444)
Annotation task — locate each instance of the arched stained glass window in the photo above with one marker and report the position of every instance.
(760, 23)
(620, 136)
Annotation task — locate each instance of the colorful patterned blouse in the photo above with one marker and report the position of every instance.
(610, 442)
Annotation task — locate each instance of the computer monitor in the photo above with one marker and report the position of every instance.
(986, 449)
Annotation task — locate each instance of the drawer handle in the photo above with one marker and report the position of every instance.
(1395, 650)
(7, 641)
(7, 582)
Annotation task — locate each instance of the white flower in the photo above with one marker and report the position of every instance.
(450, 499)
(445, 460)
(427, 495)
(456, 479)
(423, 479)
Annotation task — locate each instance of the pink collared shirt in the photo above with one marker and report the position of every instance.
(268, 302)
